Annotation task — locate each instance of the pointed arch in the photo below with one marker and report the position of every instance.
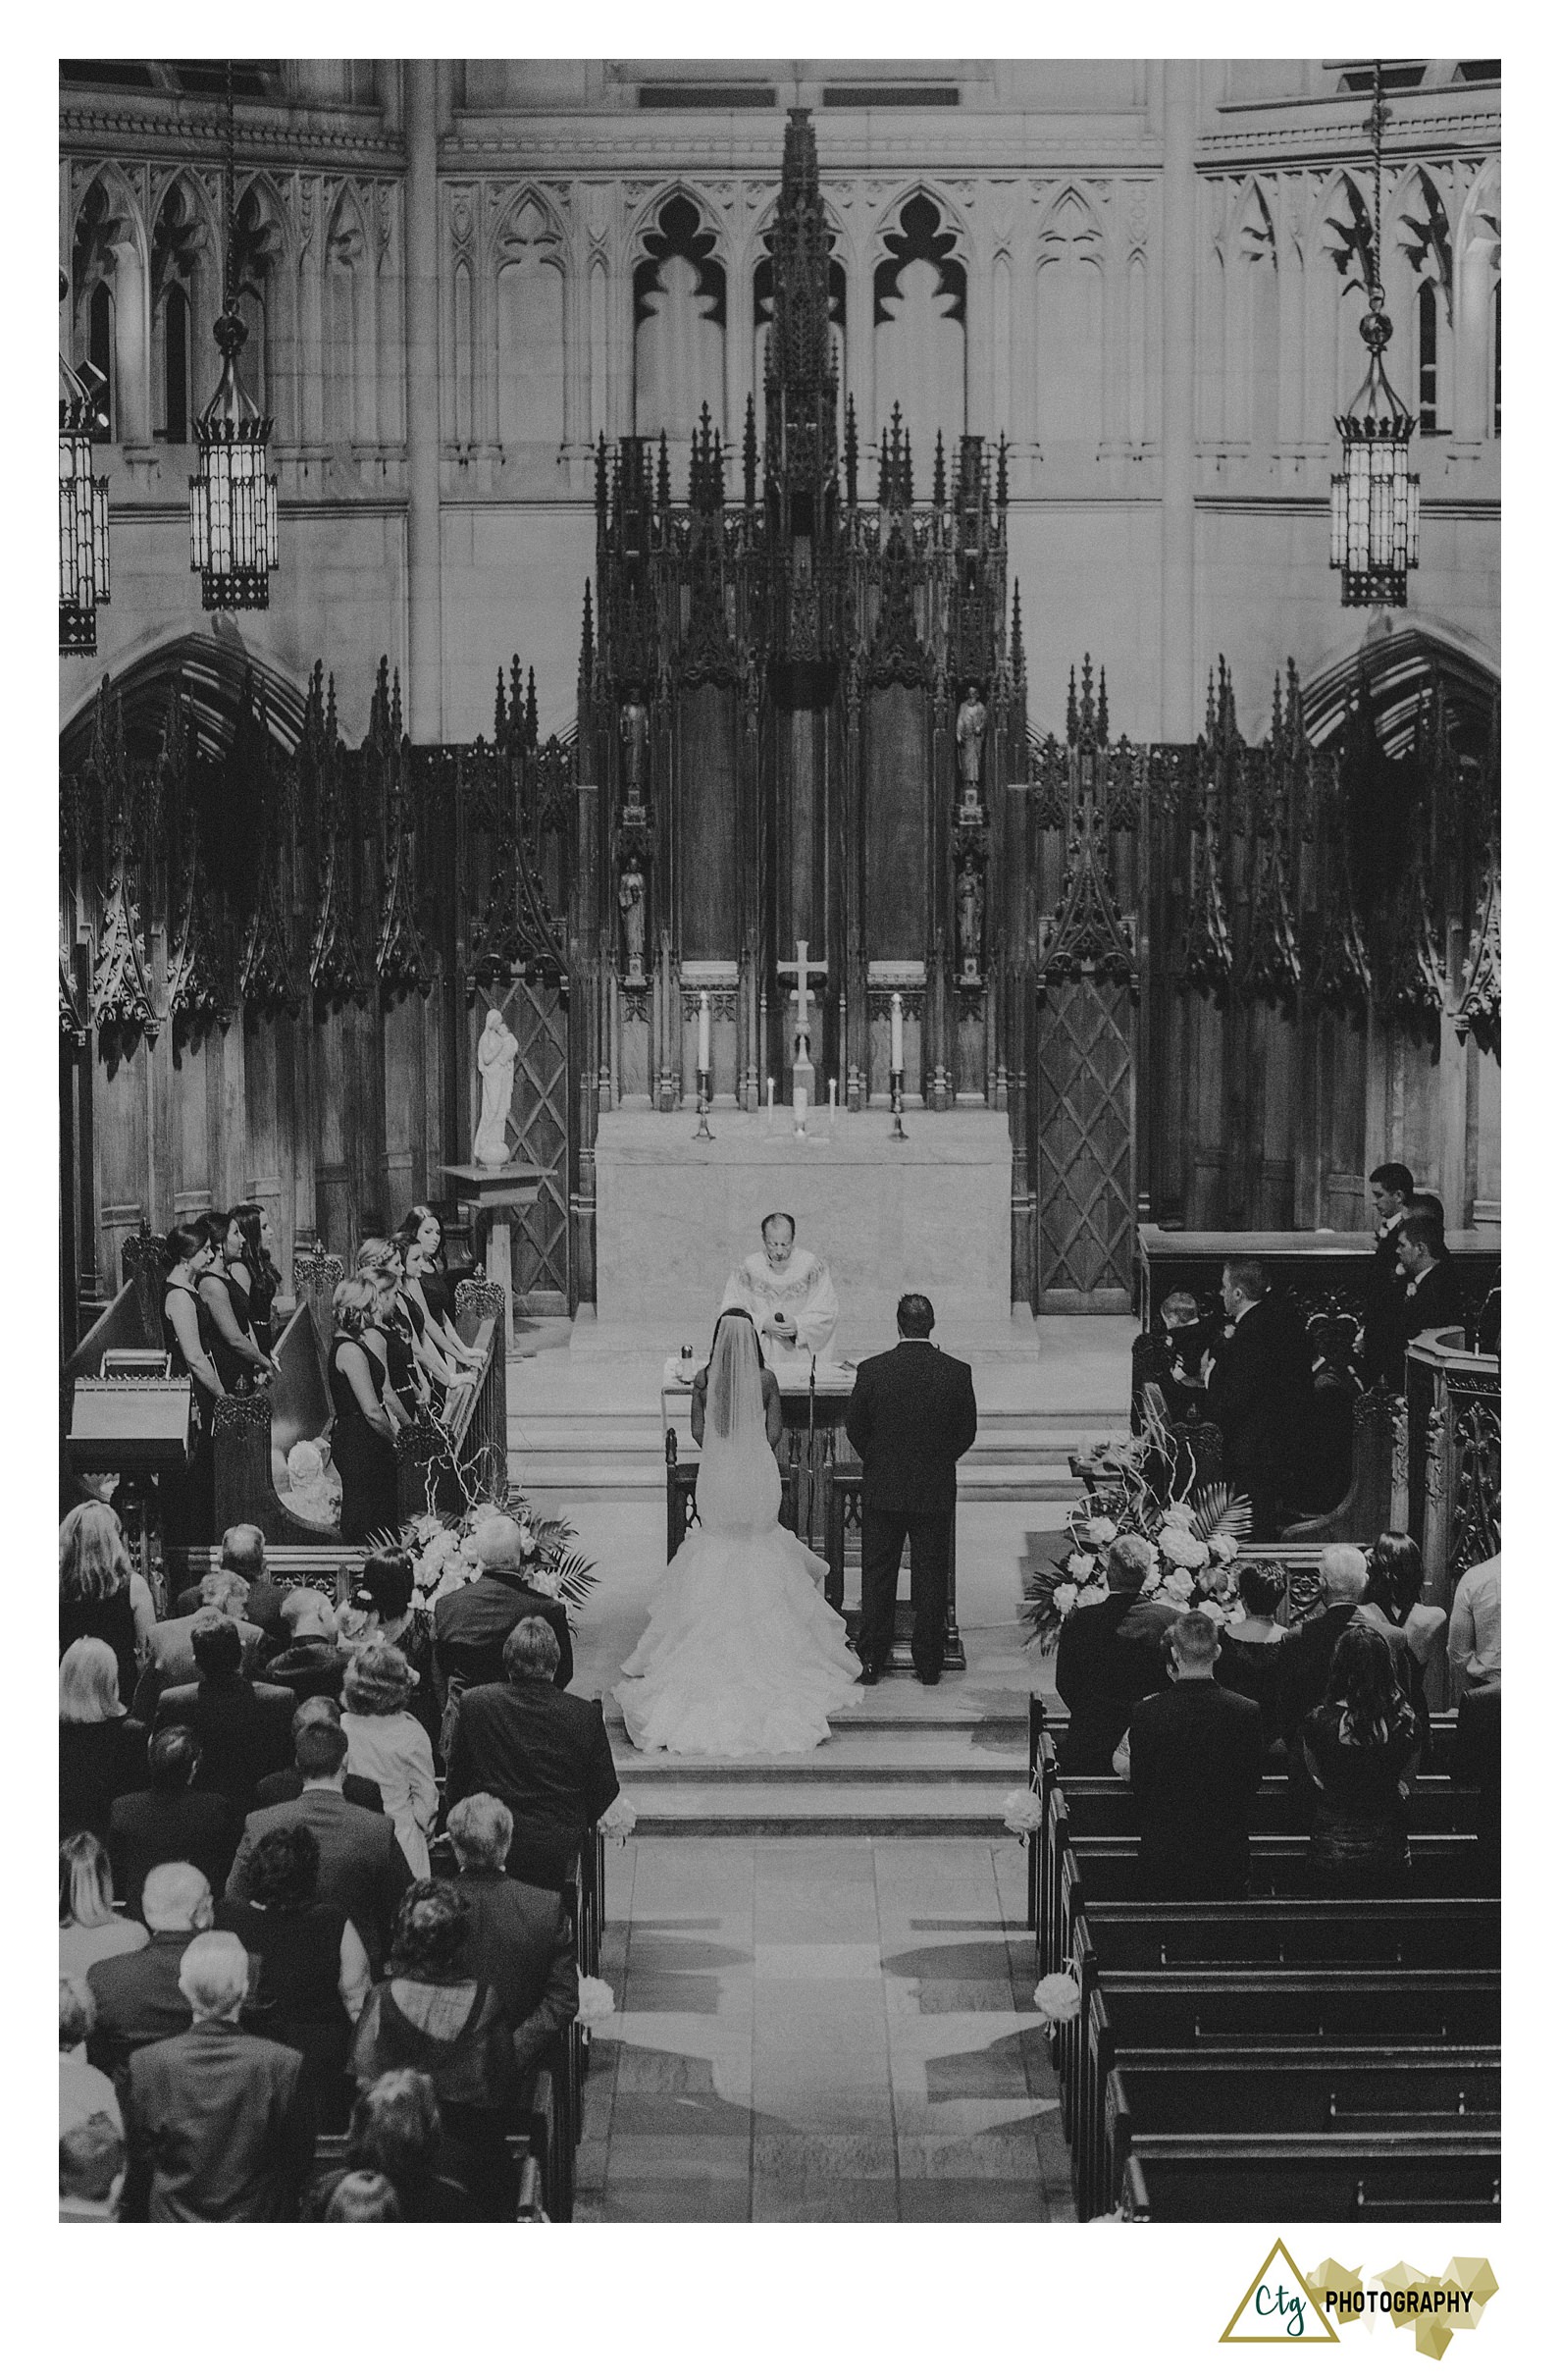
(109, 244)
(529, 266)
(921, 285)
(348, 324)
(1070, 324)
(680, 316)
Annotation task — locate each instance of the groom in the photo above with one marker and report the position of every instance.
(912, 1416)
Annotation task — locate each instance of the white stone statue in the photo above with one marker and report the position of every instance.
(496, 1053)
(968, 728)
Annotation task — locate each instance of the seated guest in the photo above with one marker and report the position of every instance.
(243, 1553)
(1433, 1296)
(1360, 1749)
(396, 2131)
(168, 1820)
(170, 1644)
(1391, 1186)
(1194, 1757)
(1391, 1604)
(1305, 1659)
(90, 1929)
(363, 1867)
(431, 2015)
(543, 1753)
(100, 1594)
(472, 1625)
(83, 2092)
(519, 1940)
(382, 1611)
(363, 2198)
(1093, 1674)
(138, 1995)
(363, 1439)
(1475, 1763)
(1250, 1644)
(308, 1963)
(91, 2171)
(220, 2126)
(1473, 1638)
(102, 1749)
(313, 1662)
(386, 1744)
(1257, 1380)
(243, 1724)
(286, 1784)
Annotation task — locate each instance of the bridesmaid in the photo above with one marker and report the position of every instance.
(255, 1270)
(389, 1334)
(421, 1286)
(423, 1225)
(233, 1346)
(189, 1498)
(363, 1440)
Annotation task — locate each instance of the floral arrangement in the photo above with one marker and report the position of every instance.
(1194, 1537)
(1021, 1813)
(1059, 1996)
(440, 1545)
(597, 2002)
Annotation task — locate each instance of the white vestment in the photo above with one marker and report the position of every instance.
(801, 1290)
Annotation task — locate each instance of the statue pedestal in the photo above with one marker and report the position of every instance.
(500, 1190)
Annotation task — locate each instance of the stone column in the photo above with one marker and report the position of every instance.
(1177, 520)
(425, 626)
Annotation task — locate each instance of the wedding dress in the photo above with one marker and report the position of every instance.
(741, 1654)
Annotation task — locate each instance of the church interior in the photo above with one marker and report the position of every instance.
(910, 650)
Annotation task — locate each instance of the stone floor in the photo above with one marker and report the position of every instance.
(820, 2030)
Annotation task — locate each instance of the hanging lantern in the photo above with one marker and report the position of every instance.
(1375, 495)
(84, 513)
(233, 497)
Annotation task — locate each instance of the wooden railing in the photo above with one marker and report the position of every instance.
(471, 1439)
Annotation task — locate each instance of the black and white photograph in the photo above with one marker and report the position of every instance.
(779, 1120)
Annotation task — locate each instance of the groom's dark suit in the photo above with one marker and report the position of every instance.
(912, 1416)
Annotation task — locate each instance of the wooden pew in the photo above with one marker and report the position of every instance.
(253, 1436)
(1328, 2090)
(1433, 2177)
(1366, 1510)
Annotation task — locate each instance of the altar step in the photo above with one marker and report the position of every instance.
(921, 1774)
(583, 1457)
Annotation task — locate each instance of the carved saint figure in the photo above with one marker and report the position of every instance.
(631, 901)
(636, 734)
(496, 1053)
(969, 727)
(971, 914)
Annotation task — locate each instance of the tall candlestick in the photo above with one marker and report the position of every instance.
(896, 1035)
(704, 1033)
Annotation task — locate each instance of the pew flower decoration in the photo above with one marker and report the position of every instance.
(1059, 1996)
(1193, 1538)
(619, 1822)
(1021, 1813)
(597, 2002)
(441, 1548)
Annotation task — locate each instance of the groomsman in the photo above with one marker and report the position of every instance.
(912, 1414)
(1391, 1188)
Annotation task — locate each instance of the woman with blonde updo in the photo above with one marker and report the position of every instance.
(363, 1440)
(389, 1747)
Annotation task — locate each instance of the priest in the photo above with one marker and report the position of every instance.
(788, 1293)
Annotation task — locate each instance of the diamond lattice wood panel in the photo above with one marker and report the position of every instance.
(540, 1115)
(1084, 1174)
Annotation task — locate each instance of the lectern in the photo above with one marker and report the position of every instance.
(500, 1190)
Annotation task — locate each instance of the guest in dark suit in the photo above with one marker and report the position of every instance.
(313, 1662)
(363, 1867)
(1433, 1296)
(912, 1414)
(1305, 1658)
(243, 1729)
(138, 1995)
(543, 1754)
(518, 1940)
(220, 2124)
(243, 1553)
(1257, 1379)
(286, 1784)
(1391, 1186)
(1098, 1679)
(472, 1625)
(1194, 1756)
(1476, 1761)
(170, 1820)
(171, 1644)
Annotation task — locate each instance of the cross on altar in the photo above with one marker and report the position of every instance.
(804, 968)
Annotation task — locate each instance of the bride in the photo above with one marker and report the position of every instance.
(742, 1652)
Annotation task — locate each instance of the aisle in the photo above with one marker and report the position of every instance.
(820, 2030)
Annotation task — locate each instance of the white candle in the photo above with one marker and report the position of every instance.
(833, 1081)
(704, 1033)
(896, 1035)
(771, 1099)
